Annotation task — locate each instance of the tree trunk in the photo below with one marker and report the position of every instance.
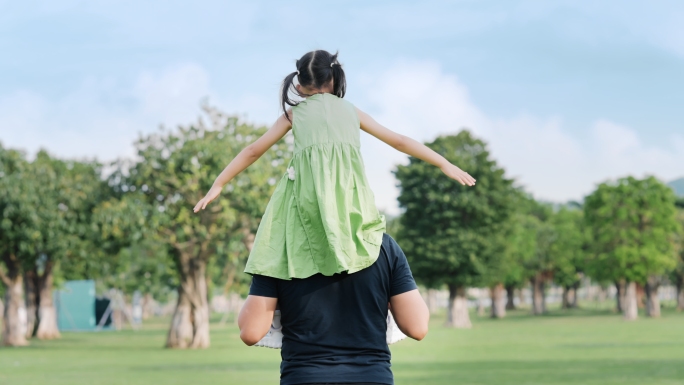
(147, 306)
(680, 293)
(14, 315)
(652, 300)
(31, 300)
(190, 322)
(457, 315)
(47, 314)
(565, 302)
(510, 297)
(432, 302)
(569, 298)
(117, 317)
(621, 288)
(521, 297)
(538, 299)
(575, 290)
(640, 295)
(498, 301)
(601, 294)
(629, 303)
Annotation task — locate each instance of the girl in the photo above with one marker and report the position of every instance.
(322, 216)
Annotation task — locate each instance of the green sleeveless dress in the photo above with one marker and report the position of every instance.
(322, 216)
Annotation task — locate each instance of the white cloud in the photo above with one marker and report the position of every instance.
(102, 117)
(421, 101)
(618, 151)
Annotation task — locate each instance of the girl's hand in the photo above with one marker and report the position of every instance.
(457, 174)
(214, 192)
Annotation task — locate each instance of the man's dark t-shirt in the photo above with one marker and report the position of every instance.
(334, 327)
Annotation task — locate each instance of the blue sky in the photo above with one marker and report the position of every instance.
(567, 93)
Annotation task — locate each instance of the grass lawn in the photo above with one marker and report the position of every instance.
(578, 347)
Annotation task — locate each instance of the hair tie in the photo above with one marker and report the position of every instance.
(332, 64)
(297, 72)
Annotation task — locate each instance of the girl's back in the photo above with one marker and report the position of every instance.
(322, 216)
(324, 118)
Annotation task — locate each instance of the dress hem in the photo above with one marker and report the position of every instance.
(350, 270)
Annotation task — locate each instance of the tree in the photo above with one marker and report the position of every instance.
(16, 231)
(65, 194)
(447, 229)
(677, 274)
(49, 242)
(521, 246)
(545, 243)
(503, 272)
(540, 264)
(632, 227)
(568, 252)
(173, 171)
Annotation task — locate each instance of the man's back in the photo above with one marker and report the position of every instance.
(334, 327)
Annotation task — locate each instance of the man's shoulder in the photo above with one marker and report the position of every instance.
(391, 248)
(389, 242)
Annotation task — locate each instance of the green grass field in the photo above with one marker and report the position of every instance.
(578, 347)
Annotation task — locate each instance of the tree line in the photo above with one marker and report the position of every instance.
(627, 233)
(133, 229)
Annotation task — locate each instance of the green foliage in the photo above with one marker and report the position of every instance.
(677, 274)
(679, 202)
(452, 233)
(81, 190)
(632, 227)
(17, 217)
(126, 255)
(568, 250)
(547, 240)
(522, 245)
(173, 171)
(46, 206)
(146, 267)
(541, 258)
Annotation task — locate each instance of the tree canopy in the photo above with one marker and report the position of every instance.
(173, 171)
(632, 226)
(452, 233)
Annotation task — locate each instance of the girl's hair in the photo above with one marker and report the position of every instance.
(314, 70)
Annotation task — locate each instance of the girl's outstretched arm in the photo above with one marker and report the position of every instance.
(245, 158)
(411, 147)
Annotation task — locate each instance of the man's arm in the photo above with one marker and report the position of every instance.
(255, 318)
(411, 314)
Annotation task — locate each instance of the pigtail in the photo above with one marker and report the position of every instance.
(288, 85)
(314, 69)
(339, 79)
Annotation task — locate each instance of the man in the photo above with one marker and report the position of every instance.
(334, 328)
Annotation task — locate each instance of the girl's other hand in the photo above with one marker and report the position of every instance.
(211, 195)
(459, 175)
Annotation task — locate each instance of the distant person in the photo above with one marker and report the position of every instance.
(334, 326)
(322, 217)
